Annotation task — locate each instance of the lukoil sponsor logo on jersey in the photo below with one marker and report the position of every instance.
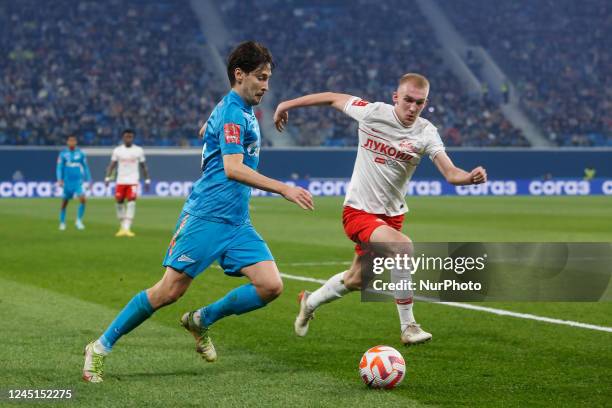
(387, 150)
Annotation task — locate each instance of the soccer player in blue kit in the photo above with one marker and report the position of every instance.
(215, 222)
(71, 171)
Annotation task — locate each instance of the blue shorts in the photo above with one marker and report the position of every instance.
(197, 243)
(70, 190)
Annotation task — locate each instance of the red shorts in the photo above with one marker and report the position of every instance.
(359, 225)
(123, 191)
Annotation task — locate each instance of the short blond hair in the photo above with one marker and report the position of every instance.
(417, 80)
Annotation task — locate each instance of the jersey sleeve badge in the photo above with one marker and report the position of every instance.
(231, 131)
(360, 102)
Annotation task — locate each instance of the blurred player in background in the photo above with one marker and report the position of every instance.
(215, 223)
(71, 172)
(128, 159)
(392, 141)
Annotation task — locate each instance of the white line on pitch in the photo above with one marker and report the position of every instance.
(302, 278)
(500, 312)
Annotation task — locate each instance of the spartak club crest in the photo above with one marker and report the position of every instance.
(407, 147)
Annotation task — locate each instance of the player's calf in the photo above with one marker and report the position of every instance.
(352, 279)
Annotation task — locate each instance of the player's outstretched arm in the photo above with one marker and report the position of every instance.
(457, 176)
(235, 169)
(335, 100)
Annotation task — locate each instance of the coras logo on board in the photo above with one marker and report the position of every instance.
(335, 187)
(560, 187)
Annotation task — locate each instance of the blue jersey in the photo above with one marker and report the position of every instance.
(232, 128)
(72, 167)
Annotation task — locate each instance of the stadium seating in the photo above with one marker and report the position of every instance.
(98, 67)
(558, 54)
(362, 48)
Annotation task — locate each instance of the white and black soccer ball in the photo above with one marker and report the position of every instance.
(382, 367)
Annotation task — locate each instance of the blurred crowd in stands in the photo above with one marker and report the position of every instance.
(362, 48)
(559, 55)
(94, 68)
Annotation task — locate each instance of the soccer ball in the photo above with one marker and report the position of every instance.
(382, 367)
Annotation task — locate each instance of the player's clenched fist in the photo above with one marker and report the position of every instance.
(301, 197)
(478, 175)
(281, 117)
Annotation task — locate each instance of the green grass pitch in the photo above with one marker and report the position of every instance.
(59, 290)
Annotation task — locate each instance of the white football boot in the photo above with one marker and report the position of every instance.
(94, 365)
(413, 334)
(204, 345)
(304, 316)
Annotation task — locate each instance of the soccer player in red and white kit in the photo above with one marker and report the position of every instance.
(128, 159)
(392, 141)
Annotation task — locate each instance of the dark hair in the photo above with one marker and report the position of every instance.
(127, 131)
(71, 135)
(247, 56)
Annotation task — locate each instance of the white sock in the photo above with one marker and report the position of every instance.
(129, 214)
(331, 290)
(99, 348)
(405, 313)
(197, 317)
(120, 212)
(403, 298)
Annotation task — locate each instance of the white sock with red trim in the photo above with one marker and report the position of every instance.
(403, 298)
(404, 309)
(331, 290)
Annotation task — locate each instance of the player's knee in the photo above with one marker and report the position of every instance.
(352, 280)
(276, 289)
(392, 249)
(168, 298)
(271, 290)
(175, 294)
(163, 296)
(405, 248)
